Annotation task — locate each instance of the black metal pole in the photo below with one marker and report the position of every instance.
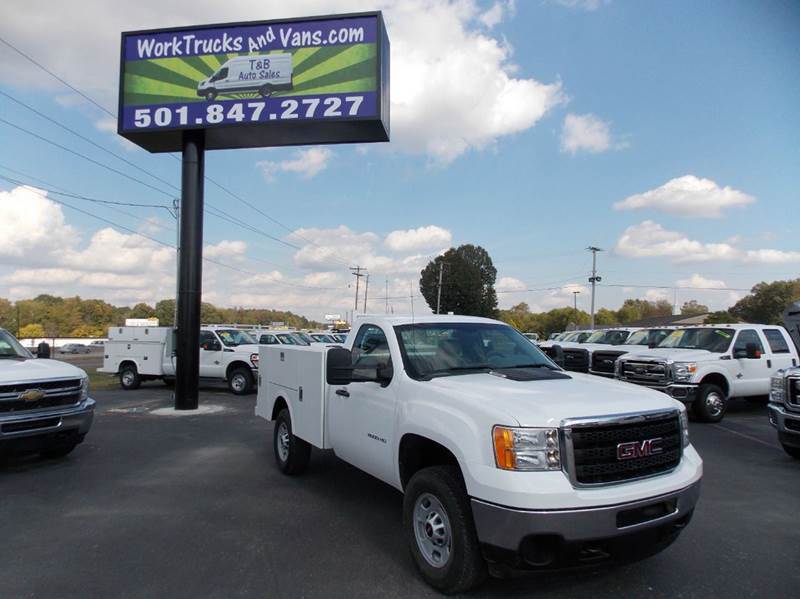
(190, 275)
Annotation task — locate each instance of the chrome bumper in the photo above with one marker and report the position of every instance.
(16, 425)
(786, 422)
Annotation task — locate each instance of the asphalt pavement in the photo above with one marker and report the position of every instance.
(193, 506)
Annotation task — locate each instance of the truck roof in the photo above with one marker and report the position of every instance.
(396, 320)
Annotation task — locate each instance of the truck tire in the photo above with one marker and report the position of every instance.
(240, 381)
(129, 377)
(265, 91)
(710, 404)
(792, 451)
(211, 95)
(437, 519)
(291, 453)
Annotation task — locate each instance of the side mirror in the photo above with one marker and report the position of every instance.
(339, 370)
(211, 346)
(384, 374)
(43, 350)
(557, 354)
(753, 353)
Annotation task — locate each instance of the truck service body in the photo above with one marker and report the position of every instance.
(706, 366)
(502, 456)
(139, 354)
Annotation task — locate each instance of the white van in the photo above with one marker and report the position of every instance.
(263, 74)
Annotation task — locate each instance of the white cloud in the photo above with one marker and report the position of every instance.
(586, 132)
(582, 4)
(226, 249)
(509, 284)
(31, 224)
(306, 163)
(650, 240)
(688, 196)
(497, 12)
(422, 238)
(454, 87)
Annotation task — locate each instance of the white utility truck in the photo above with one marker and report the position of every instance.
(139, 354)
(706, 366)
(44, 404)
(264, 74)
(784, 409)
(504, 459)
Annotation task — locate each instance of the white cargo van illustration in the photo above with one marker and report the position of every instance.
(262, 74)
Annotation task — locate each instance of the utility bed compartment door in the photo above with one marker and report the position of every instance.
(147, 355)
(297, 374)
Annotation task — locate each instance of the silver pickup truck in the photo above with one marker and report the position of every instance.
(44, 404)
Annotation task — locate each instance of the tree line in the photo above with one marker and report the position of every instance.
(467, 277)
(52, 316)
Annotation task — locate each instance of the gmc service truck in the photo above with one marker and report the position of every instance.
(706, 366)
(44, 404)
(505, 460)
(137, 354)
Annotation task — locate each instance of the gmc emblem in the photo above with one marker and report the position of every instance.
(635, 449)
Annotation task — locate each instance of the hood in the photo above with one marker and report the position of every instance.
(34, 369)
(548, 402)
(674, 355)
(246, 348)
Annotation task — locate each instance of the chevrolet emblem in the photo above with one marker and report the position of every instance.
(31, 395)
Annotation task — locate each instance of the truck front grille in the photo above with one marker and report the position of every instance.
(576, 360)
(622, 449)
(53, 394)
(644, 373)
(793, 393)
(603, 361)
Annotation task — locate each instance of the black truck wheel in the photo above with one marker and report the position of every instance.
(240, 381)
(129, 377)
(291, 453)
(437, 519)
(710, 404)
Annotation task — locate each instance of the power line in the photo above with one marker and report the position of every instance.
(76, 90)
(87, 140)
(639, 286)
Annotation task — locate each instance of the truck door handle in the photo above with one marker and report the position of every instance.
(343, 392)
(769, 363)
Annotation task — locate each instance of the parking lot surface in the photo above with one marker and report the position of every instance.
(192, 506)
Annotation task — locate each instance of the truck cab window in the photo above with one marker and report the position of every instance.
(370, 351)
(777, 342)
(269, 340)
(745, 337)
(221, 74)
(208, 341)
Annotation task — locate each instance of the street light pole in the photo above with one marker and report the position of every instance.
(439, 288)
(575, 298)
(594, 279)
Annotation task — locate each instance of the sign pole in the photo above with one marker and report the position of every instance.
(190, 271)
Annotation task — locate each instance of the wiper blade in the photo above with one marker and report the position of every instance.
(455, 369)
(524, 366)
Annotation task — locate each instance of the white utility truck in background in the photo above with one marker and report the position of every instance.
(139, 354)
(505, 460)
(706, 366)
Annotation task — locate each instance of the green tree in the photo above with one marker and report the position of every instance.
(88, 330)
(767, 301)
(693, 307)
(8, 315)
(165, 312)
(31, 331)
(468, 282)
(142, 310)
(721, 317)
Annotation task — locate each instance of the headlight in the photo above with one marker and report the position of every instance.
(254, 360)
(777, 388)
(684, 371)
(84, 388)
(526, 448)
(685, 427)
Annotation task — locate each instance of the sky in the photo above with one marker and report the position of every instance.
(665, 133)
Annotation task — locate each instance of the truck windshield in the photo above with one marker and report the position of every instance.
(445, 349)
(234, 337)
(713, 340)
(647, 337)
(10, 348)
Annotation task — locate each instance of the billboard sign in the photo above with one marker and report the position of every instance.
(270, 83)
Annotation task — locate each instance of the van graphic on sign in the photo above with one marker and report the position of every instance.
(263, 75)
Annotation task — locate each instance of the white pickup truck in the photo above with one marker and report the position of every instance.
(784, 409)
(708, 365)
(504, 459)
(137, 354)
(44, 404)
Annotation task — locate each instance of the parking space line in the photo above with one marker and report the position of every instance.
(746, 436)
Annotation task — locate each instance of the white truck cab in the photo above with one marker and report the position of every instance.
(137, 354)
(706, 366)
(503, 458)
(603, 358)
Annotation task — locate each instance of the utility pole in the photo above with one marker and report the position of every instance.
(357, 272)
(439, 289)
(366, 292)
(594, 279)
(176, 206)
(575, 297)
